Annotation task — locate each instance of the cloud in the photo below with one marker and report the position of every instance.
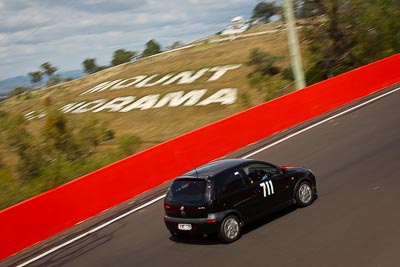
(67, 32)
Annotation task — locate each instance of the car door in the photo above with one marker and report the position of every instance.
(239, 194)
(273, 184)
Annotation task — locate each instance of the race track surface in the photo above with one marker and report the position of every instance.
(354, 222)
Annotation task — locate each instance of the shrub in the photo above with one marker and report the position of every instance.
(245, 99)
(255, 78)
(47, 101)
(263, 62)
(128, 144)
(108, 134)
(287, 74)
(19, 91)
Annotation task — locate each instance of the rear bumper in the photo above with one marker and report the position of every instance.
(199, 226)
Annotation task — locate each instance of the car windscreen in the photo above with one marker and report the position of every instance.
(187, 190)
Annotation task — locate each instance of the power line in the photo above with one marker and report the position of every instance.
(69, 4)
(36, 29)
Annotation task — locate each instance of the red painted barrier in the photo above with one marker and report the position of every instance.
(45, 215)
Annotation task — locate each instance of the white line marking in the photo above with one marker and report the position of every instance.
(163, 196)
(92, 231)
(319, 123)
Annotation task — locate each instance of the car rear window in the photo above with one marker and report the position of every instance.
(187, 190)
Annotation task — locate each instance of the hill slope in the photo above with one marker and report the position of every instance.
(159, 124)
(155, 99)
(7, 85)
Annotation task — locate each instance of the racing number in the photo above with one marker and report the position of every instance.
(267, 186)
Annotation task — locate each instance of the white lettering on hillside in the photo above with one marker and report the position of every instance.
(224, 96)
(176, 99)
(127, 83)
(70, 107)
(145, 102)
(221, 70)
(89, 106)
(146, 82)
(116, 104)
(101, 87)
(185, 77)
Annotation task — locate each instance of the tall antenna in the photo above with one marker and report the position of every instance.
(197, 174)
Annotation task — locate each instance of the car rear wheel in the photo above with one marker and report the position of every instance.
(230, 229)
(304, 194)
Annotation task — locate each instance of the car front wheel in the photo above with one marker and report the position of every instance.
(230, 229)
(304, 194)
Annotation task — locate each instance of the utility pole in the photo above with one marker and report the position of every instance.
(294, 49)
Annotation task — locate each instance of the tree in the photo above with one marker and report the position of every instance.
(48, 69)
(152, 48)
(55, 79)
(344, 42)
(90, 136)
(36, 76)
(309, 8)
(14, 129)
(18, 91)
(90, 66)
(174, 45)
(122, 56)
(264, 11)
(30, 160)
(263, 62)
(59, 135)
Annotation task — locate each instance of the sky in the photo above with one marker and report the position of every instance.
(66, 32)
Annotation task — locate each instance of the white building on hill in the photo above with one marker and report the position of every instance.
(237, 25)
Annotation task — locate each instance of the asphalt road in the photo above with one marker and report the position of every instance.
(354, 222)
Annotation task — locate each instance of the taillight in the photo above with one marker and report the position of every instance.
(211, 218)
(168, 207)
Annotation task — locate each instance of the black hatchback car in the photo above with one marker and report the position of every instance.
(222, 196)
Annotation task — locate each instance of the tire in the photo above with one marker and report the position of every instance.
(304, 194)
(230, 229)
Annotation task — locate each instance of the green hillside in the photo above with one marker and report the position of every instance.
(150, 100)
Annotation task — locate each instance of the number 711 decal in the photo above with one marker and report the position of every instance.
(268, 187)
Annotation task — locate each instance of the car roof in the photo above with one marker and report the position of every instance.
(212, 168)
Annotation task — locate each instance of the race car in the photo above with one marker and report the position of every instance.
(224, 195)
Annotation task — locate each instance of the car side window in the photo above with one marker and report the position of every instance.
(269, 169)
(260, 172)
(233, 182)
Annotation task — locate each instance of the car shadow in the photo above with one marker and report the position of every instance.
(196, 240)
(213, 240)
(267, 219)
